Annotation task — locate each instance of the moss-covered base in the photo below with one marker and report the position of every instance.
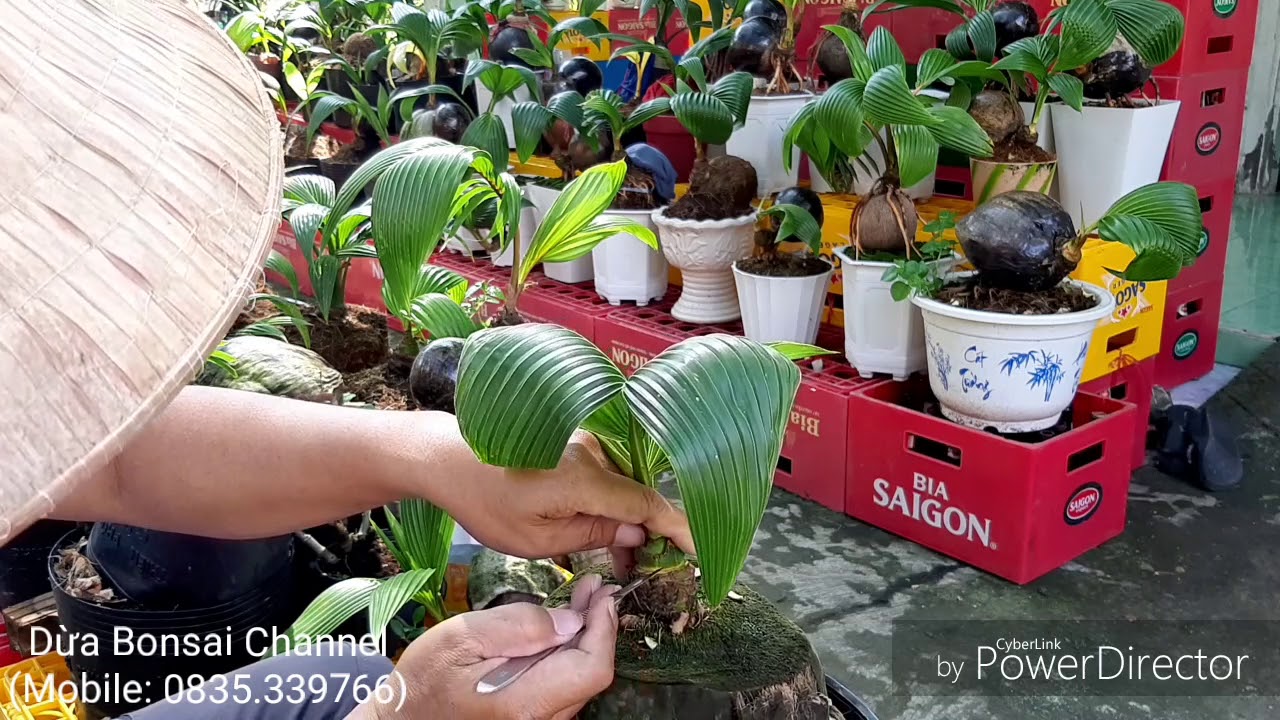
(744, 661)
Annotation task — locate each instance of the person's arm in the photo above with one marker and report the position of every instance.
(233, 464)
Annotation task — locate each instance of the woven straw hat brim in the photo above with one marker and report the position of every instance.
(139, 194)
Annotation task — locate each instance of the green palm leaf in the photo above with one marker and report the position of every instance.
(1069, 88)
(331, 608)
(523, 390)
(917, 153)
(705, 116)
(1158, 256)
(374, 167)
(795, 351)
(567, 106)
(888, 100)
(883, 50)
(959, 131)
(862, 66)
(411, 204)
(440, 316)
(529, 121)
(487, 133)
(392, 594)
(1154, 29)
(281, 266)
(1172, 207)
(839, 110)
(597, 231)
(796, 224)
(647, 111)
(1088, 29)
(718, 407)
(436, 279)
(304, 189)
(734, 90)
(981, 29)
(425, 534)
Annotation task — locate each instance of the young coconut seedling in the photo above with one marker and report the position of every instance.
(577, 73)
(713, 410)
(877, 105)
(988, 27)
(1112, 45)
(796, 215)
(765, 46)
(1023, 244)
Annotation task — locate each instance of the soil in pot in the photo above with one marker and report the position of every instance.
(719, 189)
(1020, 148)
(784, 265)
(700, 673)
(639, 191)
(354, 338)
(384, 386)
(974, 295)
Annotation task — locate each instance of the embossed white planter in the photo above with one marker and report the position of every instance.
(626, 268)
(881, 335)
(1104, 153)
(1013, 373)
(705, 251)
(778, 309)
(759, 140)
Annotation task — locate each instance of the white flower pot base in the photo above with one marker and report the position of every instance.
(704, 251)
(781, 309)
(626, 269)
(1010, 373)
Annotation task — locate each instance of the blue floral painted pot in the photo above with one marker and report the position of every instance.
(1010, 373)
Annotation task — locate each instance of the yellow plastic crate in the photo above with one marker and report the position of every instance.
(29, 690)
(1132, 333)
(538, 166)
(577, 43)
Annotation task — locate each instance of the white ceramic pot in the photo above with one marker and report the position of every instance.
(1104, 153)
(759, 140)
(881, 335)
(705, 251)
(1013, 373)
(626, 268)
(778, 309)
(503, 107)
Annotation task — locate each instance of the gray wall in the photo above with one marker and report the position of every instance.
(1260, 149)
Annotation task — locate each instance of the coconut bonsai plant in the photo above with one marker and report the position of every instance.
(676, 414)
(1115, 143)
(625, 268)
(1019, 311)
(781, 293)
(370, 123)
(908, 125)
(764, 45)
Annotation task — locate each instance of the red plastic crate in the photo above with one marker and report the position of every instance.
(1189, 339)
(576, 307)
(1216, 201)
(921, 29)
(1205, 146)
(956, 182)
(8, 656)
(1131, 383)
(826, 12)
(634, 335)
(1017, 510)
(627, 21)
(1220, 36)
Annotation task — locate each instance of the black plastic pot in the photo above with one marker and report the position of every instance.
(338, 172)
(200, 641)
(337, 81)
(850, 706)
(23, 559)
(159, 569)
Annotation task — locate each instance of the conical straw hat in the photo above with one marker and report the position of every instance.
(140, 182)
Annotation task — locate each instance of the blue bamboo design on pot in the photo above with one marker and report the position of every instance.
(1044, 369)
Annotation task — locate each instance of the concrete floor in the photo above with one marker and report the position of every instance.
(1186, 556)
(1251, 293)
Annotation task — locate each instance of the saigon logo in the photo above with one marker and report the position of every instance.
(1131, 298)
(1083, 504)
(628, 359)
(1204, 241)
(1208, 139)
(928, 502)
(1186, 345)
(1224, 8)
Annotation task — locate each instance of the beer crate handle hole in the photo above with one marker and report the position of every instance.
(784, 465)
(1189, 309)
(1220, 44)
(1119, 391)
(1086, 457)
(940, 451)
(1122, 340)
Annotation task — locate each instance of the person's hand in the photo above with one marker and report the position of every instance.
(440, 670)
(581, 505)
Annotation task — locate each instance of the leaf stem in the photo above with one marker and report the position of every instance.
(635, 447)
(1042, 97)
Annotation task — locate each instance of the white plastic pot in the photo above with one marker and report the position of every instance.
(541, 198)
(1104, 153)
(503, 107)
(465, 242)
(626, 268)
(528, 224)
(572, 272)
(705, 251)
(781, 309)
(1013, 373)
(759, 140)
(881, 335)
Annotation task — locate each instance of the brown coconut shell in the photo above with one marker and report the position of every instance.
(997, 113)
(876, 227)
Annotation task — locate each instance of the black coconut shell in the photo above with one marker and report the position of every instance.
(1114, 75)
(509, 38)
(803, 198)
(450, 122)
(832, 56)
(1015, 241)
(771, 9)
(1014, 21)
(581, 75)
(753, 46)
(433, 379)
